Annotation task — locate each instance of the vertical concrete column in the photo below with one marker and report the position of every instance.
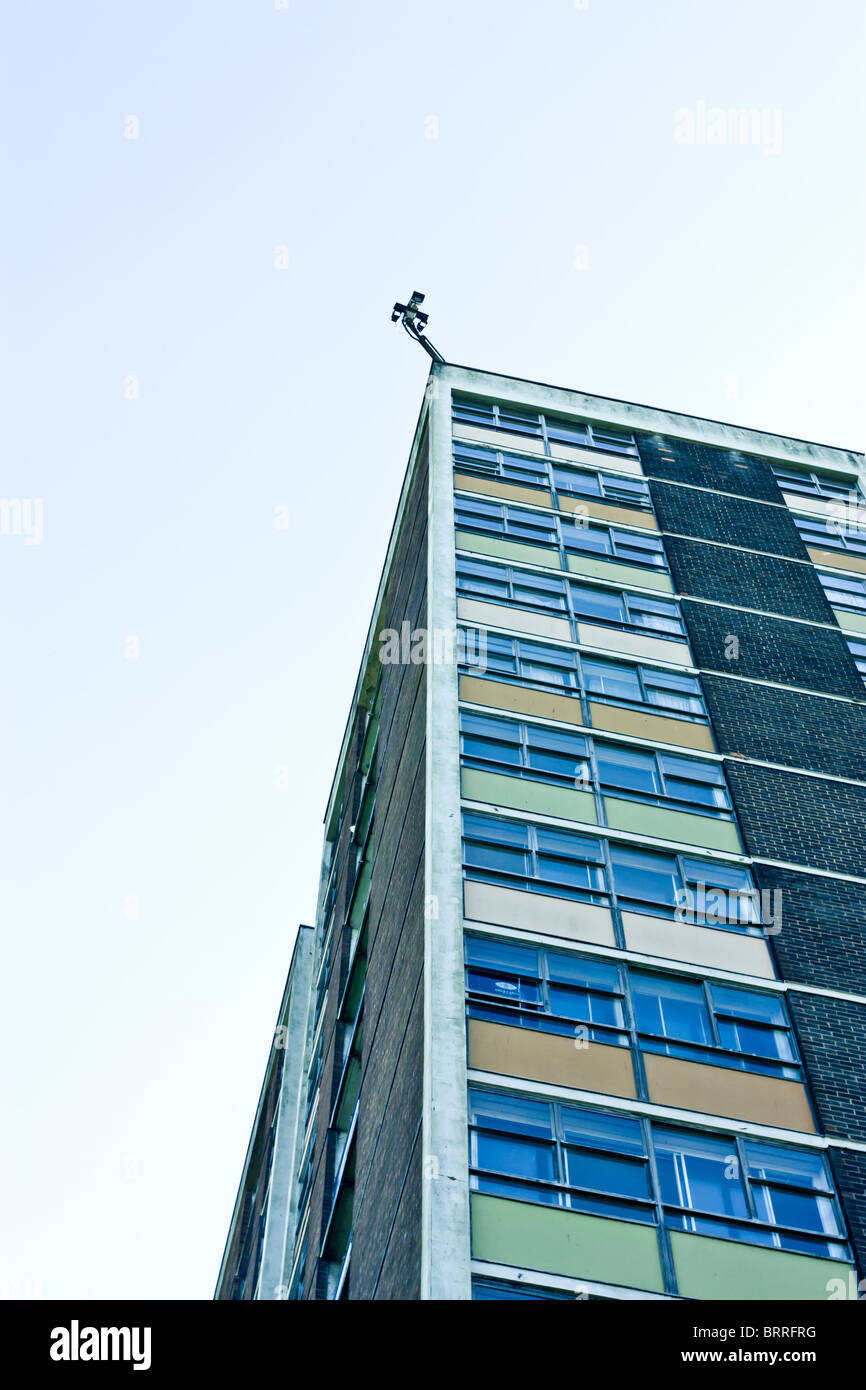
(445, 1252)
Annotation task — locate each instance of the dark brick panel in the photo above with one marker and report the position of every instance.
(785, 726)
(705, 466)
(823, 936)
(768, 583)
(849, 1172)
(801, 819)
(771, 649)
(832, 1036)
(733, 520)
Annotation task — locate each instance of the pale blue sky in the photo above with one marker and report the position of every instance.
(720, 280)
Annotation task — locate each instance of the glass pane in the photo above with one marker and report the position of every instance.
(587, 538)
(501, 955)
(600, 1131)
(800, 1209)
(644, 877)
(510, 989)
(598, 603)
(568, 431)
(606, 678)
(626, 768)
(566, 843)
(574, 481)
(495, 858)
(605, 1173)
(745, 1003)
(700, 1172)
(799, 1167)
(577, 970)
(510, 1113)
(477, 458)
(673, 1008)
(523, 1158)
(506, 832)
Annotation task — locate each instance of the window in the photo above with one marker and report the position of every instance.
(609, 487)
(830, 535)
(547, 990)
(707, 893)
(696, 1020)
(714, 1184)
(632, 611)
(858, 651)
(515, 854)
(644, 685)
(631, 547)
(557, 755)
(538, 664)
(552, 429)
(499, 1289)
(815, 484)
(661, 777)
(559, 1155)
(704, 1022)
(518, 524)
(474, 458)
(766, 1194)
(502, 584)
(844, 593)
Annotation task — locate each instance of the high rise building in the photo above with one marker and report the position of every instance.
(583, 1014)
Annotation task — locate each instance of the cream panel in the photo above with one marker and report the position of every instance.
(536, 912)
(500, 439)
(613, 639)
(727, 950)
(824, 507)
(613, 463)
(472, 610)
(852, 622)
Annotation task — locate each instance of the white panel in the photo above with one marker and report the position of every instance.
(634, 644)
(472, 610)
(659, 936)
(510, 907)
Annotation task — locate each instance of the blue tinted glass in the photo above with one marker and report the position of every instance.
(587, 538)
(507, 832)
(598, 603)
(501, 955)
(644, 877)
(600, 1131)
(700, 1172)
(524, 1158)
(796, 1166)
(627, 768)
(746, 1003)
(566, 843)
(607, 678)
(622, 1176)
(571, 480)
(510, 1113)
(671, 1007)
(577, 970)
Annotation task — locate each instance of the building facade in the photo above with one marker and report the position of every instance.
(583, 1014)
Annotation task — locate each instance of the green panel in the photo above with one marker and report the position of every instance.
(509, 550)
(362, 893)
(620, 574)
(711, 1268)
(671, 825)
(854, 622)
(521, 794)
(565, 1242)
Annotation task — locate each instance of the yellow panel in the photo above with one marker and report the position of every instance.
(503, 695)
(471, 610)
(606, 511)
(741, 1095)
(838, 559)
(537, 912)
(492, 487)
(682, 732)
(537, 1056)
